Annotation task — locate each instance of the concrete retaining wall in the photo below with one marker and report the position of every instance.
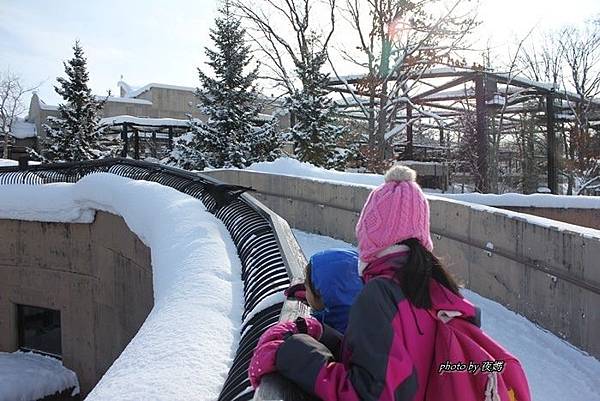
(581, 217)
(98, 275)
(550, 276)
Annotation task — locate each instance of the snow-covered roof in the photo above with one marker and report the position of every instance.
(145, 121)
(184, 348)
(45, 106)
(21, 129)
(26, 376)
(114, 99)
(123, 100)
(131, 92)
(139, 91)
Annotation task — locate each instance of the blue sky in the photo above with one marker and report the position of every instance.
(162, 41)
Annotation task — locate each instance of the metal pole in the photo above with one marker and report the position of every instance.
(136, 144)
(551, 144)
(125, 140)
(482, 183)
(153, 153)
(170, 137)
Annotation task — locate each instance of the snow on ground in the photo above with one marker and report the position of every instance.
(185, 348)
(556, 370)
(25, 376)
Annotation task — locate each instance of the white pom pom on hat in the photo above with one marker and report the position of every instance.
(399, 173)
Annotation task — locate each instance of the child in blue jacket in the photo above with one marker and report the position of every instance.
(332, 284)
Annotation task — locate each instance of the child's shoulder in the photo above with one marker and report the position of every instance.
(379, 288)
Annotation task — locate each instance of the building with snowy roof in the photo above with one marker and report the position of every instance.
(152, 101)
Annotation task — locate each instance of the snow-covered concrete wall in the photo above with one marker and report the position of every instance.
(579, 210)
(544, 269)
(97, 275)
(186, 345)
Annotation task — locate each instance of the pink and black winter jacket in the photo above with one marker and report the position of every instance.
(387, 352)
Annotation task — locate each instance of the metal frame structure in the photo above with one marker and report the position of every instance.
(438, 96)
(124, 129)
(271, 258)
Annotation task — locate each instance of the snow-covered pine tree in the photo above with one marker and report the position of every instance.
(265, 143)
(231, 136)
(315, 134)
(75, 135)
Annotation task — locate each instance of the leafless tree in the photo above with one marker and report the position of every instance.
(289, 34)
(542, 59)
(12, 92)
(581, 50)
(397, 41)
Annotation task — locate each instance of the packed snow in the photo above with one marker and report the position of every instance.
(185, 347)
(25, 376)
(556, 370)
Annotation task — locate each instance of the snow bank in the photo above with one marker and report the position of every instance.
(534, 200)
(556, 370)
(25, 376)
(292, 167)
(185, 347)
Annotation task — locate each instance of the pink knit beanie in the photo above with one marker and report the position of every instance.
(394, 212)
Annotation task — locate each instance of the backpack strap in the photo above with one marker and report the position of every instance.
(491, 389)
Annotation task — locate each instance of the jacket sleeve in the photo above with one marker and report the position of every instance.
(332, 339)
(379, 367)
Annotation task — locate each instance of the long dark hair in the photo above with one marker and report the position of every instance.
(415, 273)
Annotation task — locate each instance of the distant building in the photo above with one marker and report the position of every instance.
(151, 101)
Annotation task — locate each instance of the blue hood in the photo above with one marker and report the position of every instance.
(334, 274)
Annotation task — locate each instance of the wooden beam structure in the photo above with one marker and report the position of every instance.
(125, 139)
(552, 159)
(482, 183)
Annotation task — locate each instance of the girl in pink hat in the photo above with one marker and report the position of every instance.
(408, 326)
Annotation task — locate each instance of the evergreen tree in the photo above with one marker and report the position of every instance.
(315, 134)
(75, 135)
(230, 137)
